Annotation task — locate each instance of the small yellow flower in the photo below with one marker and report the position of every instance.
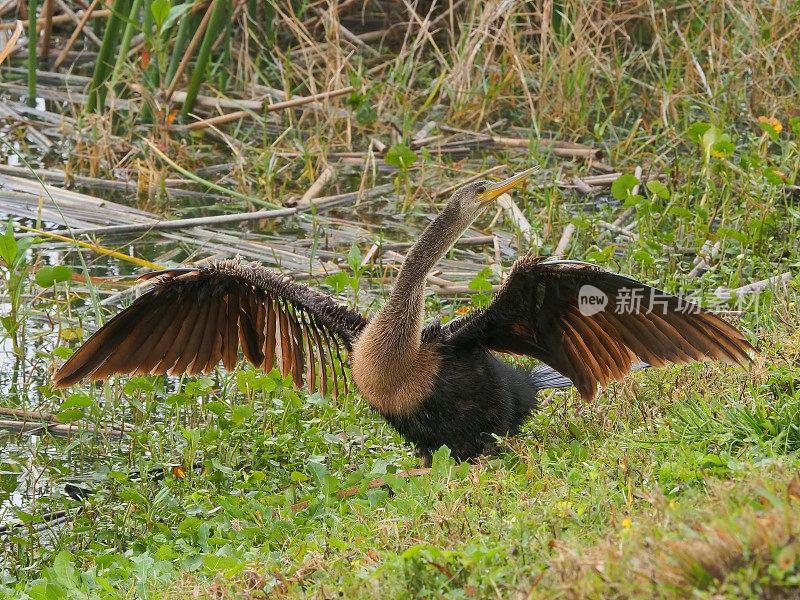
(563, 508)
(626, 523)
(776, 125)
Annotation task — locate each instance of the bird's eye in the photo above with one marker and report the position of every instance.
(481, 189)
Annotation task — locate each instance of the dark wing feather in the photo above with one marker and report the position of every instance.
(538, 313)
(194, 318)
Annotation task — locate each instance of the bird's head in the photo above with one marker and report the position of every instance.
(469, 201)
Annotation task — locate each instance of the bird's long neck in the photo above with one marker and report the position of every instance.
(403, 312)
(389, 364)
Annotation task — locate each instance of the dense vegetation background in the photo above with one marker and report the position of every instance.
(668, 137)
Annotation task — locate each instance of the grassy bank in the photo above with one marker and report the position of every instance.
(681, 481)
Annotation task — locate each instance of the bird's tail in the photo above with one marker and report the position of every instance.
(547, 378)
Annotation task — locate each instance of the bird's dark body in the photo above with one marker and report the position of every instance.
(475, 397)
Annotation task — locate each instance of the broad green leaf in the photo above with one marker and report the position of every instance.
(338, 281)
(794, 124)
(216, 407)
(723, 148)
(22, 248)
(133, 495)
(63, 352)
(623, 185)
(714, 138)
(175, 13)
(8, 245)
(354, 258)
(769, 129)
(725, 232)
(773, 176)
(70, 415)
(45, 277)
(680, 211)
(241, 412)
(76, 401)
(401, 156)
(696, 131)
(160, 10)
(658, 189)
(62, 273)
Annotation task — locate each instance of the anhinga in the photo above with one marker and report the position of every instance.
(436, 384)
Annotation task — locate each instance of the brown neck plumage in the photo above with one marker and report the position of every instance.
(389, 365)
(401, 316)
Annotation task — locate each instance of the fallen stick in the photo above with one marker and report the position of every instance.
(62, 429)
(707, 253)
(23, 414)
(466, 241)
(228, 117)
(178, 223)
(580, 184)
(36, 415)
(616, 229)
(215, 220)
(56, 19)
(556, 147)
(724, 294)
(212, 102)
(198, 35)
(375, 483)
(513, 213)
(316, 187)
(566, 237)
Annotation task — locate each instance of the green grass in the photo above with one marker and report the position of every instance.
(678, 482)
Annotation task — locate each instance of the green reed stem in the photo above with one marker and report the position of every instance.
(32, 62)
(97, 89)
(203, 56)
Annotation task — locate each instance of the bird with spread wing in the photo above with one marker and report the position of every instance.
(436, 384)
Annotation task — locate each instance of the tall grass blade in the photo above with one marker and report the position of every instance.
(127, 35)
(203, 56)
(97, 89)
(32, 53)
(187, 25)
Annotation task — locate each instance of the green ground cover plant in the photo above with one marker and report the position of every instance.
(680, 482)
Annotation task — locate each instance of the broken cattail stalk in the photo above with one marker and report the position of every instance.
(48, 27)
(724, 294)
(198, 35)
(76, 32)
(215, 24)
(32, 53)
(316, 188)
(55, 428)
(56, 19)
(78, 20)
(226, 118)
(563, 243)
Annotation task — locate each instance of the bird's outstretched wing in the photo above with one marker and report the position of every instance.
(194, 318)
(591, 325)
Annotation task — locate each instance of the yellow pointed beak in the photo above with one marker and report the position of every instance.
(493, 190)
